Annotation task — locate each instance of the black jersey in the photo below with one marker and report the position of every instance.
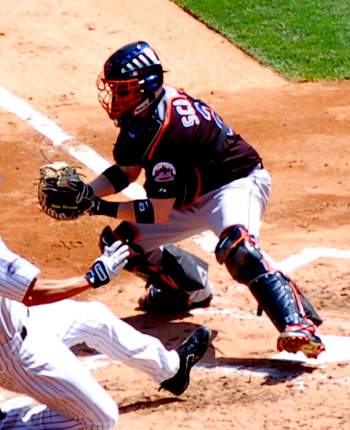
(185, 149)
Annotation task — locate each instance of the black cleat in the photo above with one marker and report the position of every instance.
(190, 352)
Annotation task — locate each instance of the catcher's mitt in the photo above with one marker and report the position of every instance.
(61, 192)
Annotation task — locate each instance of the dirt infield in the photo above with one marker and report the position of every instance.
(52, 54)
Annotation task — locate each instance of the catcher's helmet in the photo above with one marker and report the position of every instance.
(131, 80)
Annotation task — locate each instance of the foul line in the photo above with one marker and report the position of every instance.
(83, 153)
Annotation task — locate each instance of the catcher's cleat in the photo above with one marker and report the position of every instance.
(298, 337)
(190, 352)
(169, 300)
(202, 304)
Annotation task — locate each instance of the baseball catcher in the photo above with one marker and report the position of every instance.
(199, 174)
(62, 194)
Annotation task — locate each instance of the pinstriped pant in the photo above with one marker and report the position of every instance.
(45, 368)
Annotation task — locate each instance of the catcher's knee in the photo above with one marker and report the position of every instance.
(237, 250)
(162, 298)
(177, 280)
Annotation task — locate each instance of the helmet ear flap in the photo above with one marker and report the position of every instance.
(152, 82)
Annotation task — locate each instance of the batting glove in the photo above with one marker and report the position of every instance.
(105, 267)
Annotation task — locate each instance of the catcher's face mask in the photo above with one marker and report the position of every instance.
(117, 97)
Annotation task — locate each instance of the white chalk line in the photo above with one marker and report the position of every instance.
(207, 240)
(81, 152)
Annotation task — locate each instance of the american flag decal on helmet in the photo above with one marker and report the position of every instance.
(146, 58)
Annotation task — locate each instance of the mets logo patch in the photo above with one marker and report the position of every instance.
(163, 172)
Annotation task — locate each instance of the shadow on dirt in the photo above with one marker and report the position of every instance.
(170, 329)
(147, 404)
(271, 371)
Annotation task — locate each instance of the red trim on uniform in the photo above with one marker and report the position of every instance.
(163, 128)
(243, 236)
(165, 278)
(169, 281)
(268, 266)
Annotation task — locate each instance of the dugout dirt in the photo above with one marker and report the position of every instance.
(53, 55)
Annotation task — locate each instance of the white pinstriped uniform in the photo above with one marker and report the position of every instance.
(42, 365)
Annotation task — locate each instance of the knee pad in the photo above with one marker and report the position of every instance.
(237, 249)
(162, 298)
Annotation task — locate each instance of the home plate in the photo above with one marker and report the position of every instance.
(337, 349)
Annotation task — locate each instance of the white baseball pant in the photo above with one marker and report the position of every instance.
(45, 369)
(242, 201)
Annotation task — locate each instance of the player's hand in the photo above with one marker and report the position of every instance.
(105, 267)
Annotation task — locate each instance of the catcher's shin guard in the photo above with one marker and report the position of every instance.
(274, 292)
(309, 310)
(275, 296)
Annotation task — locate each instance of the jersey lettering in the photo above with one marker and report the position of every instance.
(218, 120)
(204, 110)
(208, 113)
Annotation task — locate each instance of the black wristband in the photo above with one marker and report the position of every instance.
(144, 212)
(104, 207)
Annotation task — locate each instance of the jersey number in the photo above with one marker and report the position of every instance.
(188, 115)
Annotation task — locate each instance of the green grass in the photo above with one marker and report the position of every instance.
(301, 39)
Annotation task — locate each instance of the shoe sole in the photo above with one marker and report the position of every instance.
(295, 342)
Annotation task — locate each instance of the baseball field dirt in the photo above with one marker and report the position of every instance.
(52, 53)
